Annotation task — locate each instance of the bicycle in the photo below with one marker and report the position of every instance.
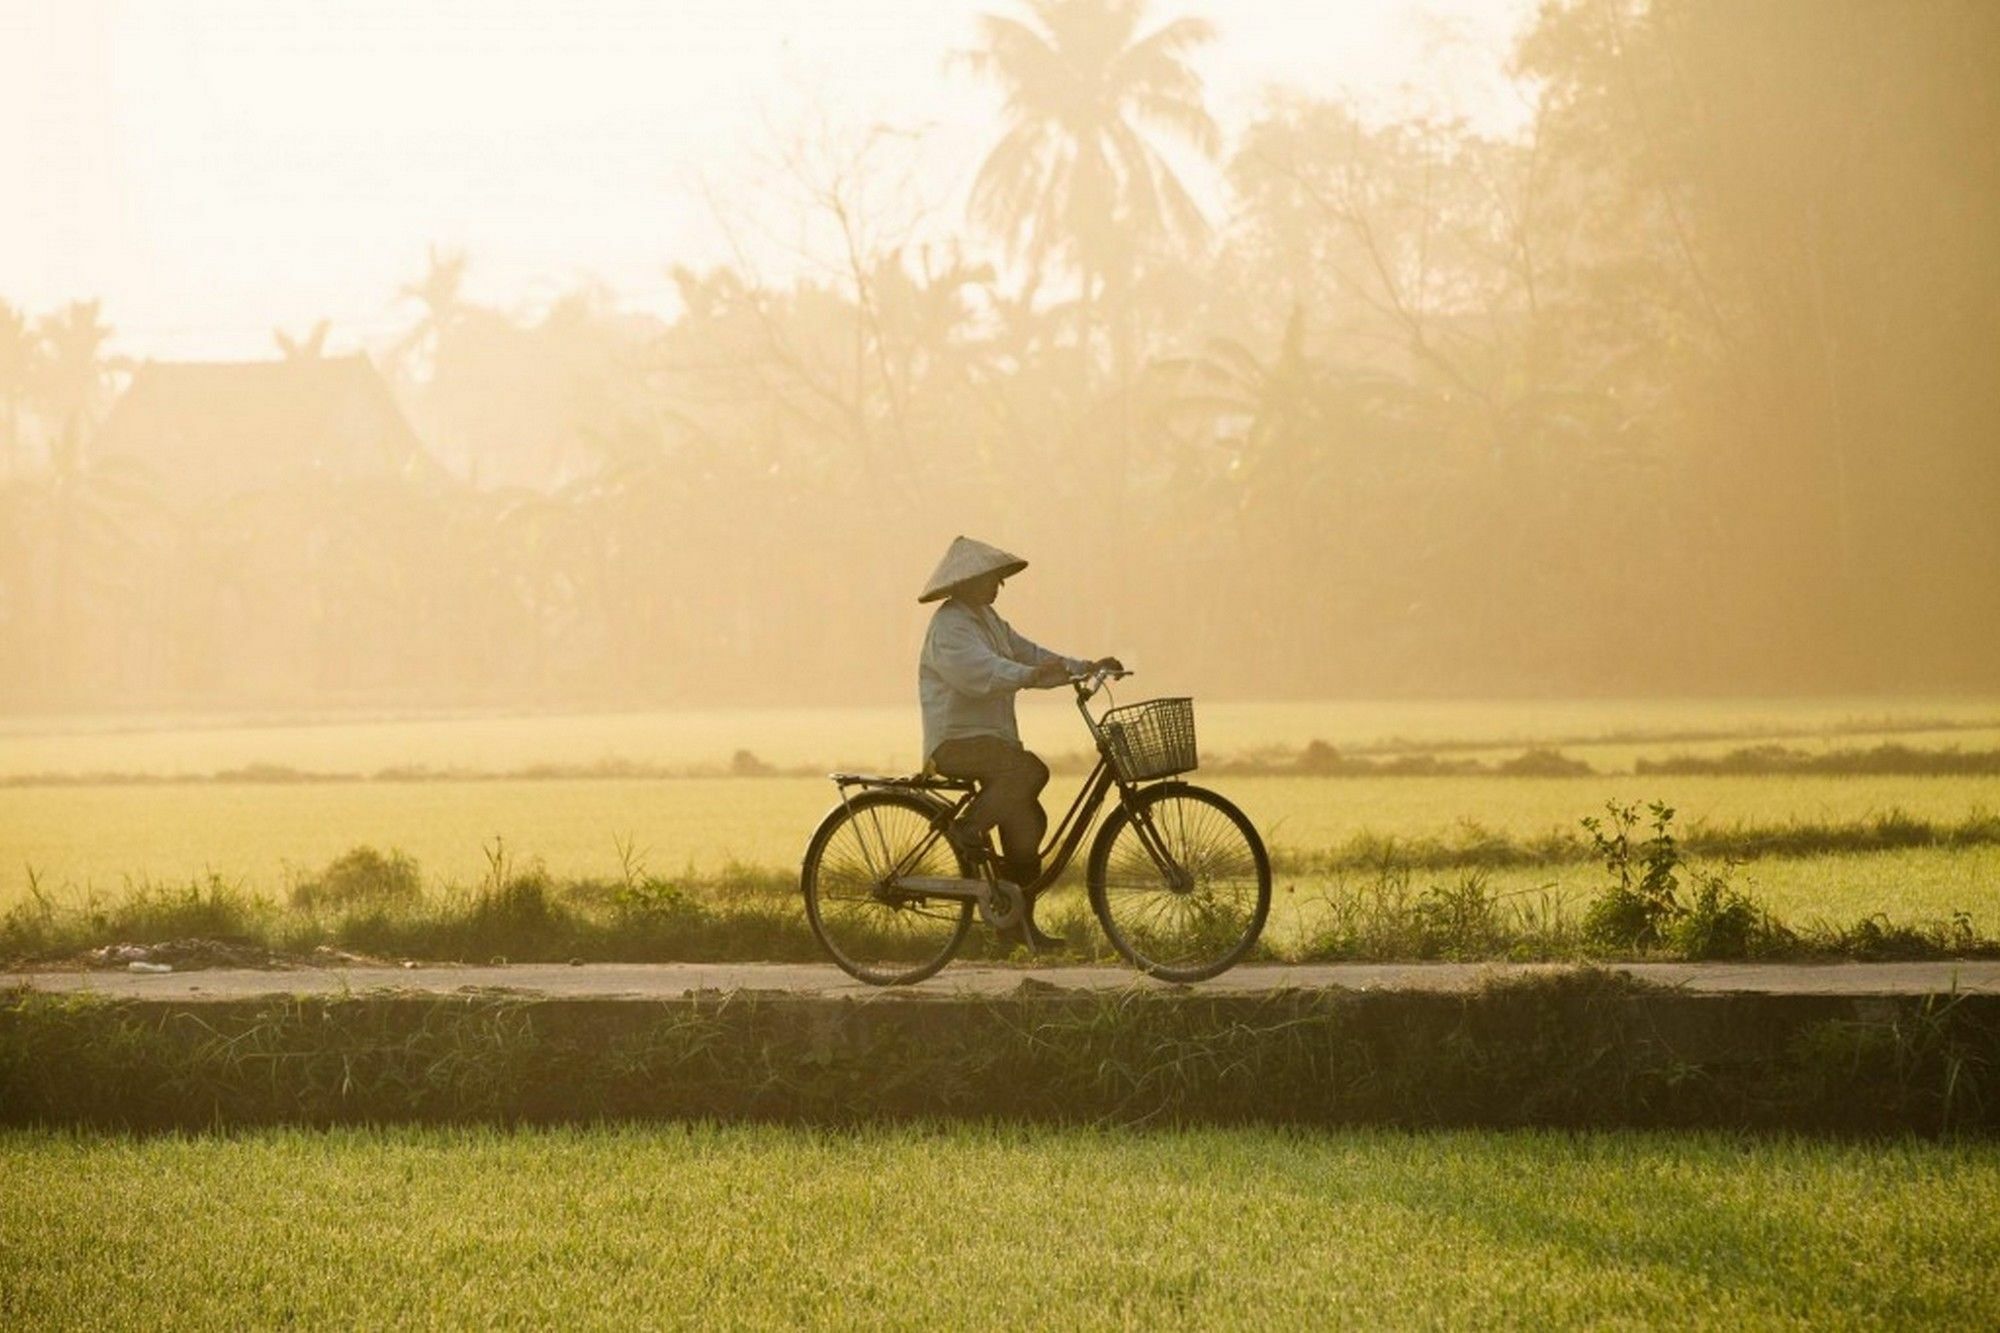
(1178, 876)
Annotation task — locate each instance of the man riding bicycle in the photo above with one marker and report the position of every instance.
(972, 664)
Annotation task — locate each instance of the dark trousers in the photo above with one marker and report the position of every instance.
(1010, 778)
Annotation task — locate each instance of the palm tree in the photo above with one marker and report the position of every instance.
(440, 292)
(417, 356)
(75, 373)
(1074, 179)
(85, 504)
(19, 354)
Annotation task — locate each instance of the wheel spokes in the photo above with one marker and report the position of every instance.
(1202, 904)
(873, 928)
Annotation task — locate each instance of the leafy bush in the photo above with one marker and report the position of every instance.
(1643, 909)
(1633, 913)
(362, 878)
(656, 899)
(1721, 921)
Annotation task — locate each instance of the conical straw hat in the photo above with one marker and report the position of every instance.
(968, 559)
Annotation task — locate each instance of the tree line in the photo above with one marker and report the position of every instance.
(1688, 386)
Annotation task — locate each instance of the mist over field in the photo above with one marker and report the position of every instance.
(1679, 378)
(467, 473)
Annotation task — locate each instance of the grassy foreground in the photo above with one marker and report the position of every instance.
(990, 1226)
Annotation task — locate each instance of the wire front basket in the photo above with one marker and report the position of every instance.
(1154, 739)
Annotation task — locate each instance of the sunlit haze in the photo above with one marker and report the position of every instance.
(606, 355)
(216, 169)
(1385, 613)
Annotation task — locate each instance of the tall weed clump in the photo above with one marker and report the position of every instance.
(30, 928)
(209, 908)
(513, 913)
(1644, 908)
(1387, 917)
(523, 914)
(206, 908)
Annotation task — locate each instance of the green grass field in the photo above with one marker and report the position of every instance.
(758, 1227)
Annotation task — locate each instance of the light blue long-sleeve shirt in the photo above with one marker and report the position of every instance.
(971, 666)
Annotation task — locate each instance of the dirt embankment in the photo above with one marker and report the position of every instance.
(1574, 1048)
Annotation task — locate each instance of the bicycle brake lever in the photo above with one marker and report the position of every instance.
(1090, 682)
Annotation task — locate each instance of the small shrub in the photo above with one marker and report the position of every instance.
(1644, 907)
(1721, 921)
(362, 878)
(1634, 911)
(656, 899)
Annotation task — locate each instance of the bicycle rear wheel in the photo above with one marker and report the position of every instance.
(1181, 882)
(877, 933)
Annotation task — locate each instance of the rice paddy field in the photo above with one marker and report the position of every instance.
(1608, 732)
(94, 806)
(980, 1225)
(82, 839)
(971, 1226)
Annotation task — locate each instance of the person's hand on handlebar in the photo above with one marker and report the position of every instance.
(1048, 675)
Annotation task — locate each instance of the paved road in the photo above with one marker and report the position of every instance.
(672, 980)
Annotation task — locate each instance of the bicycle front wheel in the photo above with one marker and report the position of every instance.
(1181, 882)
(877, 932)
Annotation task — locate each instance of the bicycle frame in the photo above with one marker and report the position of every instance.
(1068, 835)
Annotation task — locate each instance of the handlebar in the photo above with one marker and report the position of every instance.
(1090, 682)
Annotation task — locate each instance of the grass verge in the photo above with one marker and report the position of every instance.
(760, 1226)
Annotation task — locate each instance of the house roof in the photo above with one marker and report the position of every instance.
(223, 427)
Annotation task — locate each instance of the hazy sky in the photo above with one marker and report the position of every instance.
(212, 168)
